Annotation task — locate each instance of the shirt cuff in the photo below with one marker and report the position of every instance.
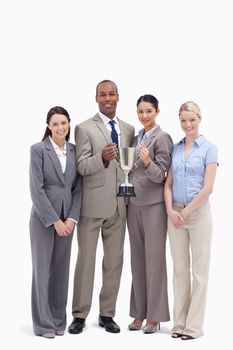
(73, 220)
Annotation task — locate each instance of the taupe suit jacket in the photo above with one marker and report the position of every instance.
(52, 191)
(100, 184)
(148, 182)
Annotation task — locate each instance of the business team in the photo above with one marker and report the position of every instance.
(78, 185)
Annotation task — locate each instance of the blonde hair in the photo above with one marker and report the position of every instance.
(190, 106)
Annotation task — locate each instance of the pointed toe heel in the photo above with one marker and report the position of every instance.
(135, 326)
(151, 328)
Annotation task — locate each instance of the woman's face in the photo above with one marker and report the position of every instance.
(147, 114)
(59, 126)
(189, 122)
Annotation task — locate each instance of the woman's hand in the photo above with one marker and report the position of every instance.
(144, 155)
(69, 226)
(61, 228)
(184, 213)
(176, 218)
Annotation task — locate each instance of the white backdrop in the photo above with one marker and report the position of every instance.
(54, 52)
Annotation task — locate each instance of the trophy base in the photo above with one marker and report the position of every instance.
(126, 191)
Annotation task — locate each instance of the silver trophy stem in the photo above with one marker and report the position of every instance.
(126, 178)
(126, 158)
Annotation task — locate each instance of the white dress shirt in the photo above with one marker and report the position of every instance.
(62, 158)
(60, 153)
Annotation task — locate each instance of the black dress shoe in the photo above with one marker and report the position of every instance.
(108, 324)
(77, 325)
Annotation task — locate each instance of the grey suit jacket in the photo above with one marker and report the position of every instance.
(52, 191)
(148, 182)
(100, 184)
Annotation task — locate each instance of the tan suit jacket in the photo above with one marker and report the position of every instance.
(148, 182)
(100, 184)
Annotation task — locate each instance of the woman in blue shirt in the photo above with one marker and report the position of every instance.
(189, 183)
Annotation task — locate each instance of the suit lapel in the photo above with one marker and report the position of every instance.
(105, 131)
(54, 158)
(123, 135)
(70, 160)
(150, 140)
(102, 127)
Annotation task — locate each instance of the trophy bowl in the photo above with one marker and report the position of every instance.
(126, 157)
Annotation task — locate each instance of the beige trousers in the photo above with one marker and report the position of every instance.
(112, 231)
(190, 249)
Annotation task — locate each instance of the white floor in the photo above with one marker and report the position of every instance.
(16, 319)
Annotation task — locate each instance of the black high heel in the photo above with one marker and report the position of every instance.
(186, 337)
(176, 335)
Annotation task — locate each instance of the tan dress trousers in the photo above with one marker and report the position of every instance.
(112, 231)
(190, 249)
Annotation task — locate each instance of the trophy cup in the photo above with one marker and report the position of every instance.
(126, 163)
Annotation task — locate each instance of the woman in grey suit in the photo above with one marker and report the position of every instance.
(56, 191)
(147, 221)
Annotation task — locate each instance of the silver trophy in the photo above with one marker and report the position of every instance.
(126, 163)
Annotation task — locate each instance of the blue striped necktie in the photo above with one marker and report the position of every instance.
(114, 134)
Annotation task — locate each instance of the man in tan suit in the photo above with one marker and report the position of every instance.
(101, 210)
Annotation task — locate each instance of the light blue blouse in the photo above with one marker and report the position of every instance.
(188, 172)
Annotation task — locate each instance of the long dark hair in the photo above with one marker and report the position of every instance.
(51, 112)
(149, 98)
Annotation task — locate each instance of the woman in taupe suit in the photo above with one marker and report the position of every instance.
(56, 195)
(147, 221)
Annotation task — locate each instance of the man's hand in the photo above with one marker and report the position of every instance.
(109, 152)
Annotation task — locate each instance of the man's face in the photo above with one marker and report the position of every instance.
(107, 98)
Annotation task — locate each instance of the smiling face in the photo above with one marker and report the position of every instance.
(147, 115)
(107, 98)
(59, 127)
(189, 122)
